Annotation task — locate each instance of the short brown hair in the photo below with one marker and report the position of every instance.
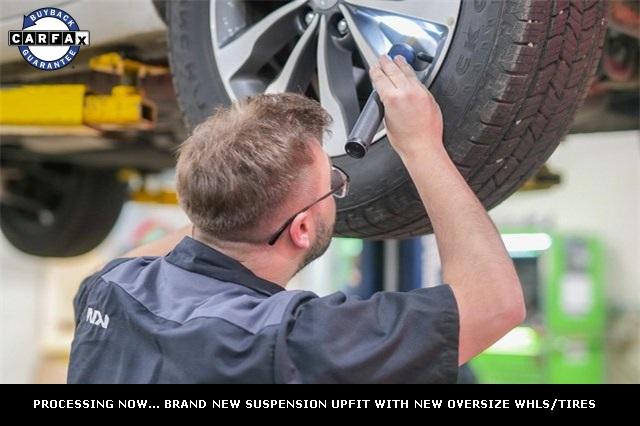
(239, 164)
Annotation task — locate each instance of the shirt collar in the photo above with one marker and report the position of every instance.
(194, 256)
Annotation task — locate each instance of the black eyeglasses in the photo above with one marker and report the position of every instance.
(339, 189)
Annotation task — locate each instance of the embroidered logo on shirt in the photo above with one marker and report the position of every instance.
(95, 317)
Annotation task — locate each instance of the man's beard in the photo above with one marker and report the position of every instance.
(320, 245)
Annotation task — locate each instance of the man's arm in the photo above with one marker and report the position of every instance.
(475, 262)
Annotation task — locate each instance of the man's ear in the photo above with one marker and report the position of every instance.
(300, 230)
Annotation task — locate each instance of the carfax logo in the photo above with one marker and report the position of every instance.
(50, 38)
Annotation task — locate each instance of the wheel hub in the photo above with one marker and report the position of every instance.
(324, 48)
(324, 6)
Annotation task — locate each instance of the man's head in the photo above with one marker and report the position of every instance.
(247, 169)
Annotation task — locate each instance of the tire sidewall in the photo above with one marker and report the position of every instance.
(88, 208)
(191, 58)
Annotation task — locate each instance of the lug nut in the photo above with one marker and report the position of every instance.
(309, 17)
(45, 217)
(343, 28)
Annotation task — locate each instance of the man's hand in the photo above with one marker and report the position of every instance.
(412, 117)
(475, 262)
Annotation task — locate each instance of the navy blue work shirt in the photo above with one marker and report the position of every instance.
(199, 316)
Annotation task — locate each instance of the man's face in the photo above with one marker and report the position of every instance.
(323, 212)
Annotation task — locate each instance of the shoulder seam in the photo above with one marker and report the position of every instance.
(190, 319)
(277, 375)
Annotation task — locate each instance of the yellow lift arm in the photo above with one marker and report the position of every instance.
(35, 109)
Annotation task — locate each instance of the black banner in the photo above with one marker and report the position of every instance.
(568, 400)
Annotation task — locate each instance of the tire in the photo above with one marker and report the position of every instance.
(512, 80)
(84, 207)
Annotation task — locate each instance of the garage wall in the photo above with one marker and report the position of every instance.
(599, 195)
(21, 279)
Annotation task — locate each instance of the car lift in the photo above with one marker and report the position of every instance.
(72, 109)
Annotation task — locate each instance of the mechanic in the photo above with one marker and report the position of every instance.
(258, 189)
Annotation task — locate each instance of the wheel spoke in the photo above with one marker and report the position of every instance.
(367, 51)
(441, 12)
(30, 205)
(298, 70)
(337, 88)
(257, 45)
